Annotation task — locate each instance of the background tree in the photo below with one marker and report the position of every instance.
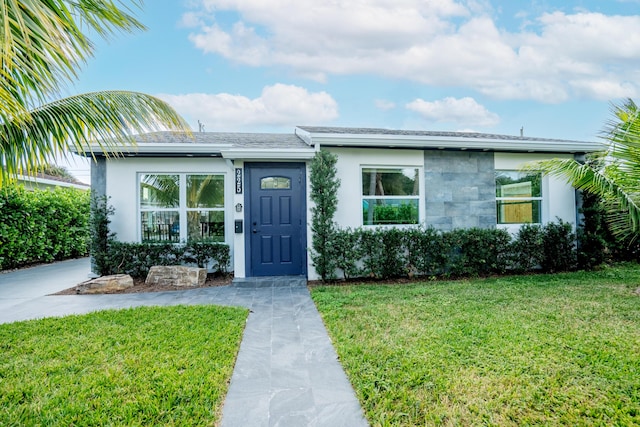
(616, 178)
(43, 45)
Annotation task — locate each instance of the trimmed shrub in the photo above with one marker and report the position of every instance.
(42, 225)
(476, 252)
(426, 252)
(559, 244)
(203, 254)
(528, 248)
(393, 262)
(385, 253)
(346, 252)
(371, 252)
(485, 251)
(136, 259)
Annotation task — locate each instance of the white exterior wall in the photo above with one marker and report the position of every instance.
(349, 166)
(558, 197)
(123, 189)
(237, 243)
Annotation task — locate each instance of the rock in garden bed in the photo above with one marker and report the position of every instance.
(176, 275)
(105, 284)
(139, 286)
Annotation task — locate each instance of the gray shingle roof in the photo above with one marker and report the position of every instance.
(303, 140)
(237, 140)
(420, 133)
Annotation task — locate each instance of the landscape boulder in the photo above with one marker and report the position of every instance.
(176, 275)
(105, 284)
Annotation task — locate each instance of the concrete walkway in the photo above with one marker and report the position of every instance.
(287, 372)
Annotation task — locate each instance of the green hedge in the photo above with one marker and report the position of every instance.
(136, 259)
(111, 256)
(42, 225)
(385, 253)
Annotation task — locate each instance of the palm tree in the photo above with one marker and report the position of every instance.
(615, 175)
(41, 50)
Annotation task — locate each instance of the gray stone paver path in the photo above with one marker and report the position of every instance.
(286, 374)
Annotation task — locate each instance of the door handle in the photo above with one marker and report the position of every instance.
(255, 231)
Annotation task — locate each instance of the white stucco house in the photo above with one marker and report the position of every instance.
(48, 182)
(250, 190)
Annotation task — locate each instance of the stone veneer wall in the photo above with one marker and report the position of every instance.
(459, 189)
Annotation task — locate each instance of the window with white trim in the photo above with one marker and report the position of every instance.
(518, 197)
(390, 195)
(179, 207)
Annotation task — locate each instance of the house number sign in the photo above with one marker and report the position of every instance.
(238, 180)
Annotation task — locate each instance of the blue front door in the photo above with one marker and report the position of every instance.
(276, 219)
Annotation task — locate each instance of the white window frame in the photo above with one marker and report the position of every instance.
(520, 199)
(418, 197)
(182, 208)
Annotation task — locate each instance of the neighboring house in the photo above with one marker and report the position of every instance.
(49, 182)
(251, 190)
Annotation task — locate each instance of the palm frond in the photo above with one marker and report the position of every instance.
(585, 177)
(616, 177)
(43, 43)
(108, 118)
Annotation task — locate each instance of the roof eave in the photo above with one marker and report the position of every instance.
(268, 154)
(157, 149)
(459, 143)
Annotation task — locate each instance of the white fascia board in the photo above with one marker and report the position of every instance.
(460, 143)
(158, 148)
(268, 154)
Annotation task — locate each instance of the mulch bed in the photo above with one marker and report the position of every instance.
(139, 286)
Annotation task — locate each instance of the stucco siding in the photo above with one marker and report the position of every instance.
(123, 190)
(349, 171)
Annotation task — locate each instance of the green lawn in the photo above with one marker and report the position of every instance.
(142, 366)
(531, 350)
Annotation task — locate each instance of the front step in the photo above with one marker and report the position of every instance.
(270, 282)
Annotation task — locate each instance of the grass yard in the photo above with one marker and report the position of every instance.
(141, 366)
(530, 350)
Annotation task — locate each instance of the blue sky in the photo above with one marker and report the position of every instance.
(549, 67)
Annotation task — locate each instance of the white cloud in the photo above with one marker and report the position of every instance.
(555, 57)
(464, 111)
(277, 106)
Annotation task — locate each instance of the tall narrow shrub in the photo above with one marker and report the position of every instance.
(592, 233)
(101, 236)
(324, 194)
